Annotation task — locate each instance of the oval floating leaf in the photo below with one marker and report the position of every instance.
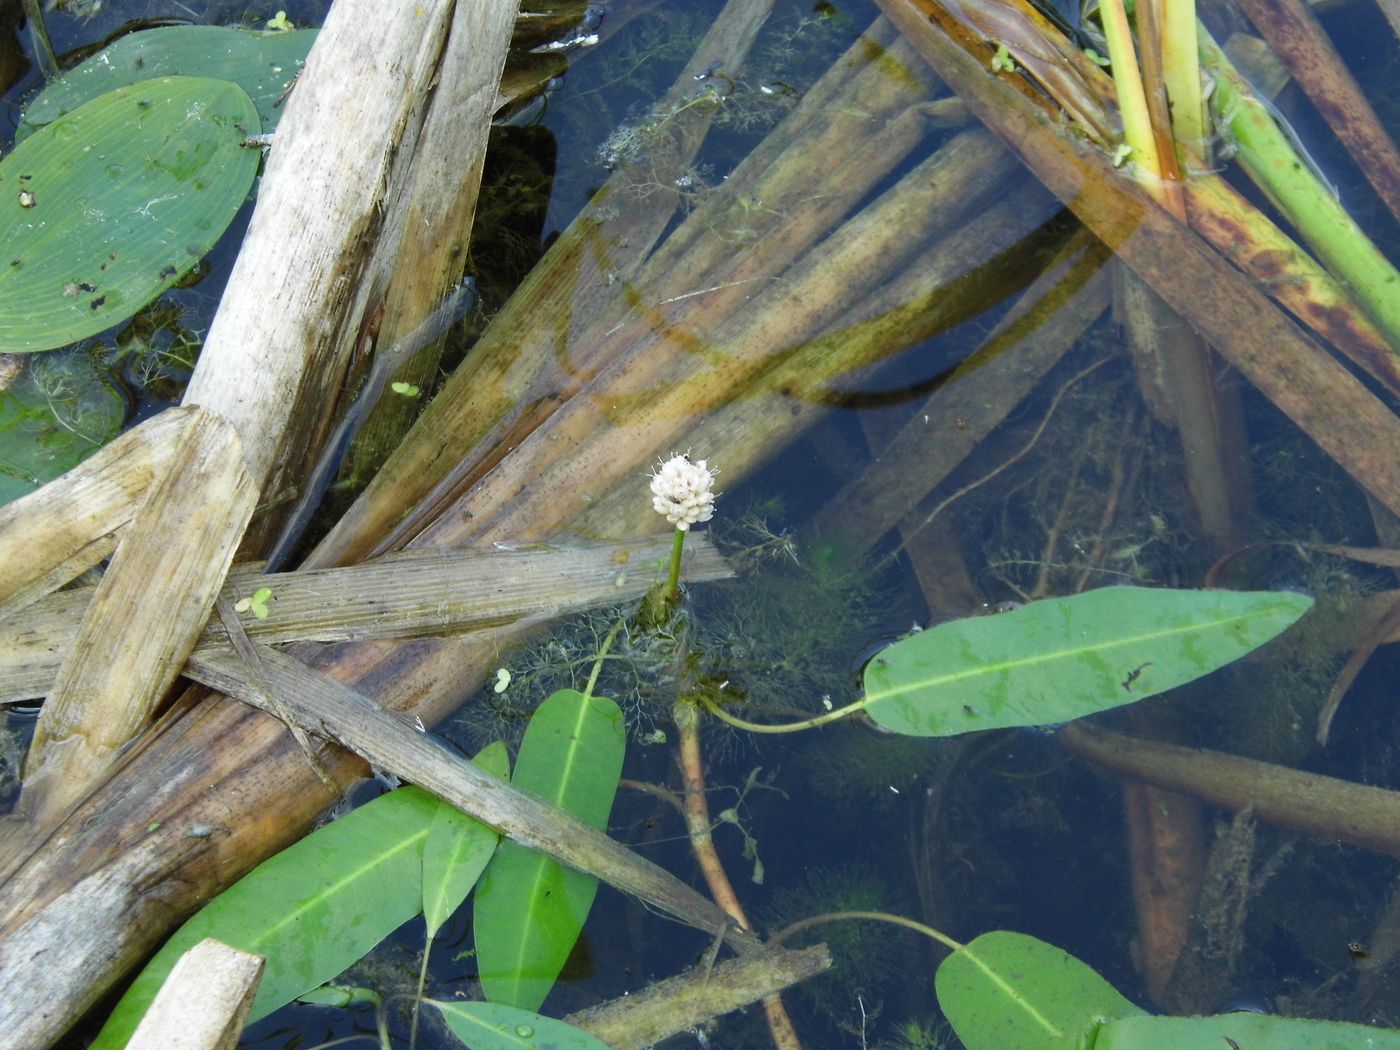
(529, 908)
(494, 1026)
(312, 910)
(1064, 658)
(1008, 991)
(53, 415)
(110, 205)
(1243, 1030)
(262, 64)
(457, 849)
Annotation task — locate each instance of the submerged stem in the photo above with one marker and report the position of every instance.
(602, 655)
(785, 727)
(874, 916)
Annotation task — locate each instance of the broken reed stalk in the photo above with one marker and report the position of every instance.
(323, 706)
(144, 619)
(952, 280)
(684, 1003)
(1335, 810)
(434, 218)
(405, 595)
(1270, 160)
(518, 366)
(939, 434)
(651, 398)
(1296, 37)
(1175, 371)
(204, 1002)
(297, 291)
(1331, 406)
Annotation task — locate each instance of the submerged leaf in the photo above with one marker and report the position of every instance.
(529, 908)
(58, 411)
(312, 910)
(493, 1026)
(1008, 991)
(1063, 658)
(113, 203)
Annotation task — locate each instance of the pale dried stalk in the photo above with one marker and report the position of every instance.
(204, 1002)
(683, 1003)
(560, 295)
(145, 617)
(324, 707)
(435, 215)
(297, 292)
(406, 595)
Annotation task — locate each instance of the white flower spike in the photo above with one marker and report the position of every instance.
(682, 491)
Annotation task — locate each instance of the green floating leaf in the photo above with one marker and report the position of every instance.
(53, 415)
(110, 205)
(529, 908)
(262, 64)
(312, 910)
(457, 849)
(494, 1026)
(1064, 658)
(1008, 991)
(1243, 1030)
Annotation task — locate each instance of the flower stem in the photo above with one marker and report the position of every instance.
(673, 584)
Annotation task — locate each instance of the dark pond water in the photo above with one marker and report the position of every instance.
(875, 482)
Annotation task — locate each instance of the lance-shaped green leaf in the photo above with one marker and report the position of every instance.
(262, 64)
(110, 205)
(457, 849)
(312, 910)
(494, 1026)
(1063, 658)
(1008, 991)
(529, 908)
(1242, 1030)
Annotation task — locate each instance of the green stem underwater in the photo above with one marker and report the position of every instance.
(673, 582)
